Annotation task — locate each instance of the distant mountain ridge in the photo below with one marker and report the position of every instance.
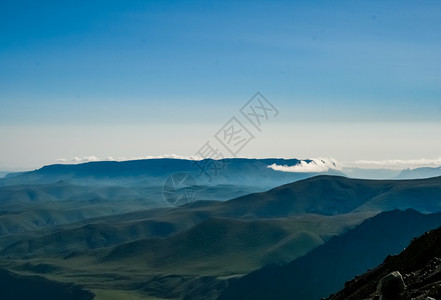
(425, 172)
(239, 171)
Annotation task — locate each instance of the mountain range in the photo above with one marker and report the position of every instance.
(106, 228)
(426, 172)
(148, 172)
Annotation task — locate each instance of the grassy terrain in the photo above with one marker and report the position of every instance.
(122, 295)
(212, 251)
(118, 247)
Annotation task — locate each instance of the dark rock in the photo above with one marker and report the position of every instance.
(391, 287)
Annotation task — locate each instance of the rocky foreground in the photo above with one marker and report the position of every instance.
(415, 273)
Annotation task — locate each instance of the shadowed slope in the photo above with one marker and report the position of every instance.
(419, 263)
(326, 268)
(18, 287)
(330, 195)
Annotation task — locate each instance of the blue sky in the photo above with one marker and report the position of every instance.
(159, 76)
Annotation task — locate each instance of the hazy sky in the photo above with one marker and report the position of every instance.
(352, 80)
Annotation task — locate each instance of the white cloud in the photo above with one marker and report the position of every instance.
(399, 163)
(175, 156)
(92, 158)
(315, 165)
(85, 159)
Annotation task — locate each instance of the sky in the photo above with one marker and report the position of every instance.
(356, 81)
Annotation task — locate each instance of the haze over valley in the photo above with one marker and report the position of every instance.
(220, 150)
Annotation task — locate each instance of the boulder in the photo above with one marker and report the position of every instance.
(391, 286)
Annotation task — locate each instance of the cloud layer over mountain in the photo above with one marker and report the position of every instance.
(308, 166)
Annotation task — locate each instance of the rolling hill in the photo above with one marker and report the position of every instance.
(188, 261)
(330, 195)
(205, 245)
(33, 206)
(62, 194)
(127, 239)
(19, 287)
(321, 195)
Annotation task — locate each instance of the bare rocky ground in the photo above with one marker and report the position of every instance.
(420, 268)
